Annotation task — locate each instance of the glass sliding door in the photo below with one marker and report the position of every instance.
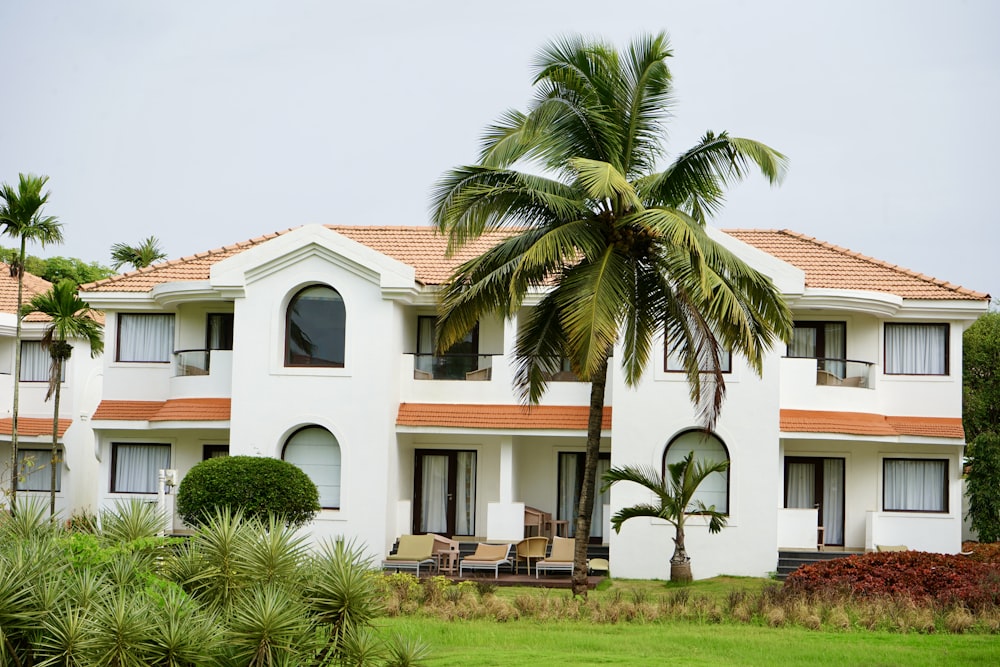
(444, 492)
(818, 482)
(568, 496)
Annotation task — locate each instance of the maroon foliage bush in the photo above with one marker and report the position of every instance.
(983, 553)
(942, 578)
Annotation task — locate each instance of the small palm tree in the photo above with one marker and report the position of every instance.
(21, 217)
(70, 317)
(138, 256)
(674, 502)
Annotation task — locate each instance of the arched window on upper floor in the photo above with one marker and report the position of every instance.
(317, 453)
(314, 328)
(714, 490)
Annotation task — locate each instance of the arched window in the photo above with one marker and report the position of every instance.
(314, 328)
(706, 447)
(316, 452)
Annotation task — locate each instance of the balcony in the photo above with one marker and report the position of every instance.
(844, 372)
(456, 366)
(202, 373)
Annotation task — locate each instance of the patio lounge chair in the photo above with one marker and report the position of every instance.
(411, 552)
(486, 557)
(560, 558)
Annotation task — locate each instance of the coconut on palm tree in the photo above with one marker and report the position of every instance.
(610, 239)
(22, 218)
(70, 317)
(674, 495)
(138, 256)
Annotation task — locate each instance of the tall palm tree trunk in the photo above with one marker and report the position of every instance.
(598, 382)
(17, 380)
(54, 457)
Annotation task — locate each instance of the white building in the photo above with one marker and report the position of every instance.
(80, 393)
(314, 345)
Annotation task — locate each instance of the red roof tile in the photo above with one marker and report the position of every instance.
(33, 426)
(830, 266)
(569, 417)
(177, 409)
(862, 423)
(8, 292)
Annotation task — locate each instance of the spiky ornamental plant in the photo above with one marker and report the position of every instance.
(70, 318)
(613, 242)
(22, 218)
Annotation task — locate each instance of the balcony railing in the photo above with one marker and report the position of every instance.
(191, 362)
(844, 372)
(472, 367)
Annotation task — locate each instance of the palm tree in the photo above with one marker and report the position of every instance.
(21, 217)
(70, 317)
(674, 501)
(616, 249)
(138, 256)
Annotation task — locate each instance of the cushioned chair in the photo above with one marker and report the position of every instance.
(531, 547)
(891, 547)
(560, 558)
(412, 552)
(486, 557)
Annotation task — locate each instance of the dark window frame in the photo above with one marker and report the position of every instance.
(452, 486)
(818, 487)
(114, 464)
(227, 325)
(210, 451)
(947, 347)
(48, 477)
(820, 327)
(62, 377)
(945, 483)
(288, 355)
(118, 339)
(726, 359)
(581, 459)
(725, 448)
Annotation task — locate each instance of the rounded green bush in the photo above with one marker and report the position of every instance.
(257, 485)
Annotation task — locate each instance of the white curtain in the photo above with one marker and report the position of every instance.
(465, 506)
(567, 500)
(833, 343)
(137, 467)
(600, 500)
(145, 337)
(833, 500)
(434, 501)
(35, 362)
(39, 474)
(316, 452)
(803, 343)
(424, 360)
(915, 485)
(915, 349)
(801, 486)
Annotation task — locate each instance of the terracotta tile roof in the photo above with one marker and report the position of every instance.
(8, 292)
(830, 266)
(33, 426)
(568, 417)
(862, 423)
(177, 409)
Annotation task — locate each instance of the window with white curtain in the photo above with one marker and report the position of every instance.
(571, 468)
(706, 447)
(916, 349)
(135, 467)
(915, 485)
(145, 337)
(34, 470)
(316, 452)
(674, 363)
(825, 341)
(36, 362)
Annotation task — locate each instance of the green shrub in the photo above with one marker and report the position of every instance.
(258, 486)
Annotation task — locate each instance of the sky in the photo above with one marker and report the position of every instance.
(208, 123)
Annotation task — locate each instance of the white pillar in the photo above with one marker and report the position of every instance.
(506, 469)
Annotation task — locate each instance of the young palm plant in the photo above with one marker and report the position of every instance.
(21, 217)
(138, 256)
(674, 501)
(613, 243)
(70, 317)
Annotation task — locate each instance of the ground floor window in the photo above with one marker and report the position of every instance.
(444, 486)
(915, 485)
(34, 471)
(317, 452)
(214, 451)
(135, 467)
(714, 490)
(571, 465)
(817, 482)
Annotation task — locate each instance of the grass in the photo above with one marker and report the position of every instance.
(529, 644)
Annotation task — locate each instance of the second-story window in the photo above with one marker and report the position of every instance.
(145, 337)
(674, 364)
(314, 328)
(36, 362)
(916, 349)
(219, 331)
(826, 341)
(460, 359)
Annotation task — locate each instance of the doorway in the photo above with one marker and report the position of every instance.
(818, 482)
(444, 492)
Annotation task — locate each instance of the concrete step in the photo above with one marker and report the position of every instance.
(789, 561)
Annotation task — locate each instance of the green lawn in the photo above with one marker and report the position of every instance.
(530, 643)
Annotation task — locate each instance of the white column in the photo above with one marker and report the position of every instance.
(506, 469)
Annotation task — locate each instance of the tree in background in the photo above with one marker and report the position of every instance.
(70, 317)
(616, 247)
(22, 218)
(56, 268)
(981, 419)
(138, 256)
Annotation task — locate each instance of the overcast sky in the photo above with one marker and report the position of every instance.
(207, 123)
